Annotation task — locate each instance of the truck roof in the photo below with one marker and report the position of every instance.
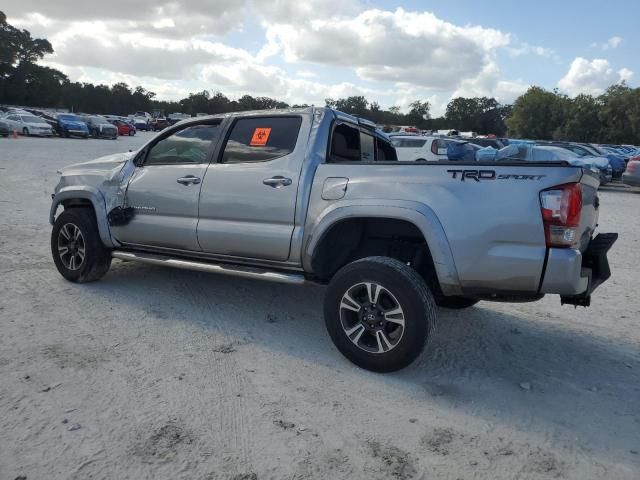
(284, 111)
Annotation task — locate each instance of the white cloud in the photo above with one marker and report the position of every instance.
(173, 46)
(410, 47)
(612, 43)
(164, 18)
(526, 49)
(488, 83)
(591, 77)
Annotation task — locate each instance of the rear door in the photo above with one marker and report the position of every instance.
(248, 199)
(165, 188)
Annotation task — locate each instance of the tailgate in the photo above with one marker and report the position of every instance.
(590, 209)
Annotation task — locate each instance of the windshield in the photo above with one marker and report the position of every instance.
(98, 119)
(31, 119)
(70, 118)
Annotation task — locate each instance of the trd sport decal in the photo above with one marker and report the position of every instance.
(479, 175)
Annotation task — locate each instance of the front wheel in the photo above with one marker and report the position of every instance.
(379, 313)
(25, 131)
(76, 247)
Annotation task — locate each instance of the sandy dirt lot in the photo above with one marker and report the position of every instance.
(169, 374)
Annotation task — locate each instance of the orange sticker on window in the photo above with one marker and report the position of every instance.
(260, 137)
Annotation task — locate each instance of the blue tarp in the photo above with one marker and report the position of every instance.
(461, 151)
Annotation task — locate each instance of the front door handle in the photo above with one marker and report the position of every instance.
(189, 179)
(277, 181)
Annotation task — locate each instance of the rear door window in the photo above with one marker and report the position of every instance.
(261, 139)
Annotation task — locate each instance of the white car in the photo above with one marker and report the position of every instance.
(28, 125)
(415, 148)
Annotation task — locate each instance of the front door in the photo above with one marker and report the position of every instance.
(165, 188)
(248, 199)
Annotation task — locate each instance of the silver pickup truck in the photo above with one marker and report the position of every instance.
(315, 195)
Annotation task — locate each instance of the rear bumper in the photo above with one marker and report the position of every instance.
(575, 275)
(632, 180)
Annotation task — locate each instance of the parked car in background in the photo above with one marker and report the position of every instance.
(417, 148)
(4, 129)
(124, 128)
(631, 176)
(71, 125)
(485, 142)
(28, 124)
(176, 117)
(141, 123)
(159, 123)
(617, 160)
(99, 127)
(532, 152)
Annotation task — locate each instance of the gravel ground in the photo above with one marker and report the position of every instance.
(154, 373)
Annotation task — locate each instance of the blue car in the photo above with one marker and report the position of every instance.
(69, 124)
(616, 160)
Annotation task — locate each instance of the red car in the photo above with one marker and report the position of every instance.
(124, 128)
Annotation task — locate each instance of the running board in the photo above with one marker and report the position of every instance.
(226, 269)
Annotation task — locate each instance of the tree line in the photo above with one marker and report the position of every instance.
(613, 117)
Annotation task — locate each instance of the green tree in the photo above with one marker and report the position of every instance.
(537, 114)
(581, 120)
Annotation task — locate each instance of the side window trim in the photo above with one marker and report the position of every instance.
(141, 157)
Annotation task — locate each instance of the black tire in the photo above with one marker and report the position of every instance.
(455, 302)
(97, 258)
(131, 133)
(421, 160)
(400, 284)
(25, 131)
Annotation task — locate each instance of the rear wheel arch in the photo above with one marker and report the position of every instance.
(405, 236)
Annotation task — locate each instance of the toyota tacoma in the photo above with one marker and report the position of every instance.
(316, 195)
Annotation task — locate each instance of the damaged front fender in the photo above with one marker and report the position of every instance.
(97, 200)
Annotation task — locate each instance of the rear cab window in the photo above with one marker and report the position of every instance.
(261, 139)
(352, 144)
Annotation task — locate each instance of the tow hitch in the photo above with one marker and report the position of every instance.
(595, 265)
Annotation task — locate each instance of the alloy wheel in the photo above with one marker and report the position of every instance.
(371, 317)
(71, 246)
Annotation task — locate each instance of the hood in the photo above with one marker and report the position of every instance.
(109, 175)
(42, 124)
(73, 123)
(103, 164)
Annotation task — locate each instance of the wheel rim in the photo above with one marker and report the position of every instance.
(71, 246)
(372, 318)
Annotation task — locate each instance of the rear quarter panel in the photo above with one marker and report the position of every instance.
(493, 227)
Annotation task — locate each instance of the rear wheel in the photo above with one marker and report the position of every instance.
(25, 131)
(455, 302)
(76, 247)
(379, 313)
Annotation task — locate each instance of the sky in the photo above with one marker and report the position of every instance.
(303, 51)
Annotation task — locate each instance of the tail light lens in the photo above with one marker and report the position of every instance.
(561, 207)
(632, 165)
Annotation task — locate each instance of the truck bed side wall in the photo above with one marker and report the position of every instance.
(492, 226)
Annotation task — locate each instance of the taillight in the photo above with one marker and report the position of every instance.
(561, 207)
(632, 165)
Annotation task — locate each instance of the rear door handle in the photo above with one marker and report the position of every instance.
(189, 179)
(277, 181)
